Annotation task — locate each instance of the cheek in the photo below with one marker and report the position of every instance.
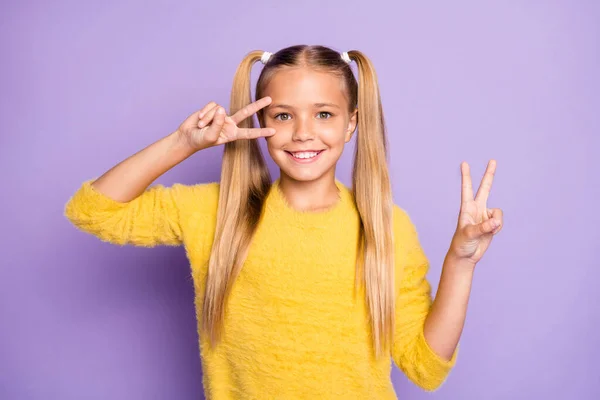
(333, 135)
(275, 142)
(283, 136)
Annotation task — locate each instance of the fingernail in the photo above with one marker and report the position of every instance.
(221, 110)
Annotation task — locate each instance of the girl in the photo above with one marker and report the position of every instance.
(304, 288)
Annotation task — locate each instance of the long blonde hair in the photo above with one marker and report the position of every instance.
(245, 183)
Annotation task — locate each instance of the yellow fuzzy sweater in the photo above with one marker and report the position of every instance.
(293, 328)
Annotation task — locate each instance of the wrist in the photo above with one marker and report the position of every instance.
(181, 144)
(457, 263)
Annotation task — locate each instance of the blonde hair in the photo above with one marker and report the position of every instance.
(245, 182)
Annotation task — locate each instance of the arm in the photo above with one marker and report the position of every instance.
(476, 227)
(412, 352)
(130, 178)
(446, 319)
(119, 208)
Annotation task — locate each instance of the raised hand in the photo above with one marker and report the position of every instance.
(477, 224)
(211, 126)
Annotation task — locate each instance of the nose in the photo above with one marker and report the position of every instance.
(302, 130)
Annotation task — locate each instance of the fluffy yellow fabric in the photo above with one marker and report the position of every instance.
(294, 328)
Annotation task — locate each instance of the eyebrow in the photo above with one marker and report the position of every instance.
(316, 105)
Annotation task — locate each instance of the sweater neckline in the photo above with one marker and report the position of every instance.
(277, 202)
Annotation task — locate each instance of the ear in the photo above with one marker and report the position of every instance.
(351, 125)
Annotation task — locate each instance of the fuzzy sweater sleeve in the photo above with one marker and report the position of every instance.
(410, 350)
(153, 218)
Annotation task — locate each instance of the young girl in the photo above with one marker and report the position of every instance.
(304, 288)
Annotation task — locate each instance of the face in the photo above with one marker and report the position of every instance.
(309, 111)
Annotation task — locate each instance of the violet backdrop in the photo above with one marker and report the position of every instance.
(86, 84)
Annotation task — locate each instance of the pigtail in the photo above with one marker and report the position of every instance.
(373, 194)
(244, 185)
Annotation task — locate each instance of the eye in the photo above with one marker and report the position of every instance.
(282, 117)
(324, 115)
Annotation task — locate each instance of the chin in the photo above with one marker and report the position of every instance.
(306, 175)
(301, 177)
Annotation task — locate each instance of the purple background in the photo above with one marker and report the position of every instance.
(86, 85)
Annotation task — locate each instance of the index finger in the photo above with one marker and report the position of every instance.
(250, 109)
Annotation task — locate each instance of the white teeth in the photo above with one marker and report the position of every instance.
(305, 155)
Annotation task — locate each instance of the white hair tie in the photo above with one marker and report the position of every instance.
(265, 57)
(346, 57)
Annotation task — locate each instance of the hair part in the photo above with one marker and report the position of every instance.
(245, 183)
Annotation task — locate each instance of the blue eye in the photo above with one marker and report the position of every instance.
(282, 116)
(324, 115)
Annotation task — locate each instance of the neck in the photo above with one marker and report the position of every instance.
(317, 195)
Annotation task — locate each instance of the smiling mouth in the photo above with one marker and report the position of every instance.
(304, 155)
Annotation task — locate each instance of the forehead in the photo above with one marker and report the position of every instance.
(299, 85)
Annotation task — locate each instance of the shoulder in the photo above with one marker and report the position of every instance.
(407, 243)
(202, 197)
(403, 224)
